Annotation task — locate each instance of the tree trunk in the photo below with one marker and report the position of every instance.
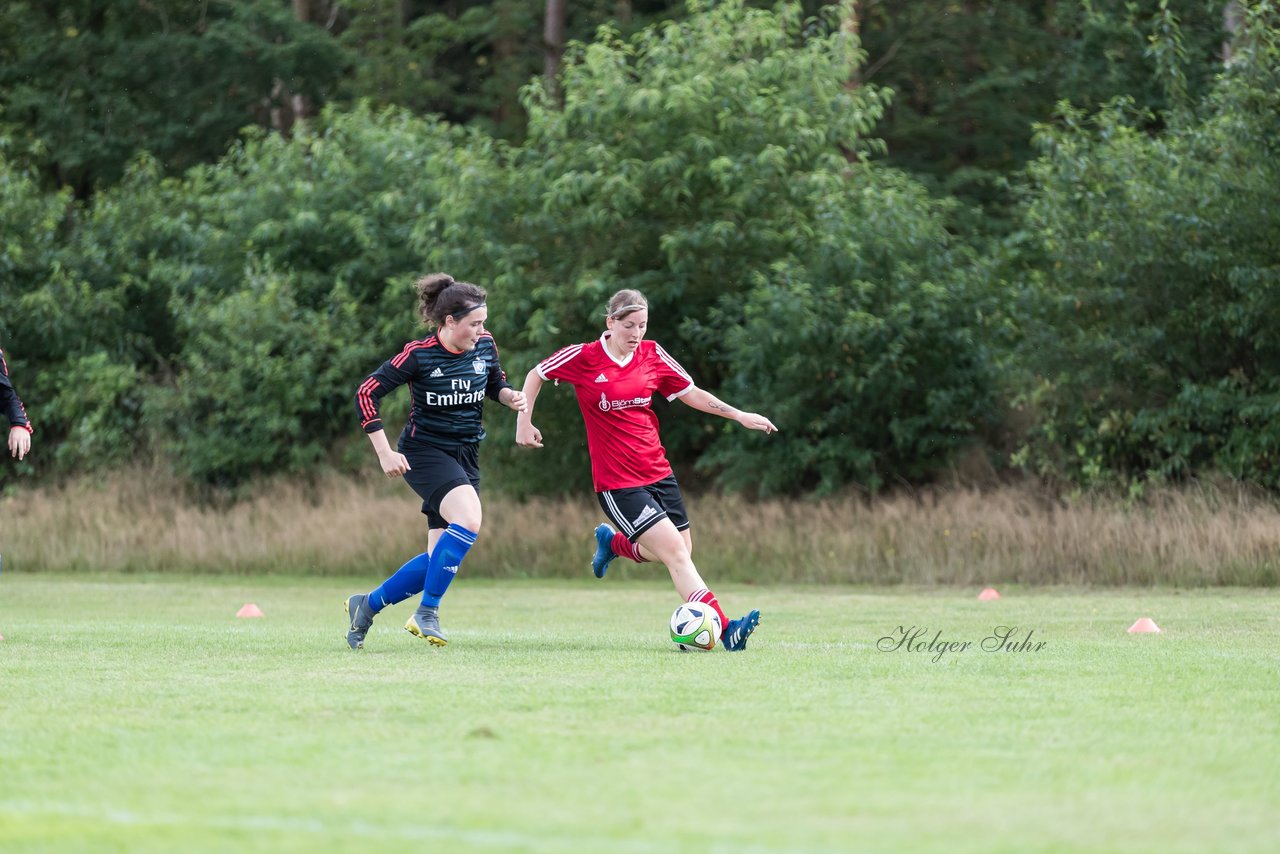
(279, 107)
(622, 11)
(1232, 19)
(553, 37)
(506, 47)
(852, 25)
(300, 103)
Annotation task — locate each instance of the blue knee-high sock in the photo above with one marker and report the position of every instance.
(403, 583)
(450, 549)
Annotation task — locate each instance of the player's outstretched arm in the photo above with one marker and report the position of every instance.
(704, 401)
(528, 436)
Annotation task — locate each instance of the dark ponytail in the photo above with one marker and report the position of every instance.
(439, 296)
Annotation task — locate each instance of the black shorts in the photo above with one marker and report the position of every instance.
(636, 509)
(433, 472)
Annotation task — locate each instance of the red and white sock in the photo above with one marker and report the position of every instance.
(624, 547)
(706, 597)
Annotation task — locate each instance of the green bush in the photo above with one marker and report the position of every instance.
(720, 165)
(192, 303)
(67, 339)
(264, 383)
(867, 355)
(1152, 335)
(86, 87)
(299, 286)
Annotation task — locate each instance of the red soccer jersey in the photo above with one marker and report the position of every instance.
(616, 400)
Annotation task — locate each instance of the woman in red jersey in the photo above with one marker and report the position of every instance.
(615, 378)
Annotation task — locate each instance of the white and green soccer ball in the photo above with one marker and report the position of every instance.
(695, 627)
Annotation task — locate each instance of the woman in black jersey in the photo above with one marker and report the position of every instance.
(11, 406)
(449, 373)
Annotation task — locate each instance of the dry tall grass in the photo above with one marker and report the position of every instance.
(368, 527)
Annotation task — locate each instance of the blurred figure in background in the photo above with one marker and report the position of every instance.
(19, 425)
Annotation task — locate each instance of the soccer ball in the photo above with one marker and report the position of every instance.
(695, 627)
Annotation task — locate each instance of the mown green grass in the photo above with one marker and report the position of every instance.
(138, 714)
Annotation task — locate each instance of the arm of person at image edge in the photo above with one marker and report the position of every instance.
(396, 372)
(19, 427)
(528, 436)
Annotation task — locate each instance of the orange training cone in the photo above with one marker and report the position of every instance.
(250, 610)
(1146, 624)
(989, 594)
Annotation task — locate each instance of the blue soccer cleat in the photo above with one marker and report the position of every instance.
(736, 633)
(604, 551)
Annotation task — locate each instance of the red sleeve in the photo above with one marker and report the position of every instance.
(673, 380)
(563, 365)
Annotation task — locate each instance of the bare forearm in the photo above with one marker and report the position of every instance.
(528, 436)
(704, 401)
(378, 438)
(532, 385)
(393, 463)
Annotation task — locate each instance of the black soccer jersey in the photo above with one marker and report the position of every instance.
(448, 390)
(10, 403)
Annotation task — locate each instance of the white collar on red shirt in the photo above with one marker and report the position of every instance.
(622, 363)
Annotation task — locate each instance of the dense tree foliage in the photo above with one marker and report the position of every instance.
(823, 223)
(706, 162)
(86, 85)
(222, 318)
(720, 166)
(1156, 280)
(970, 79)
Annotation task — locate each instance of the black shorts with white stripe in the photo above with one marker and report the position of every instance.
(636, 509)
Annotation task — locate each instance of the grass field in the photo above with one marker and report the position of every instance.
(138, 714)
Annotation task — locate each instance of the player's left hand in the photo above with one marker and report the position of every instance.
(755, 421)
(19, 442)
(517, 401)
